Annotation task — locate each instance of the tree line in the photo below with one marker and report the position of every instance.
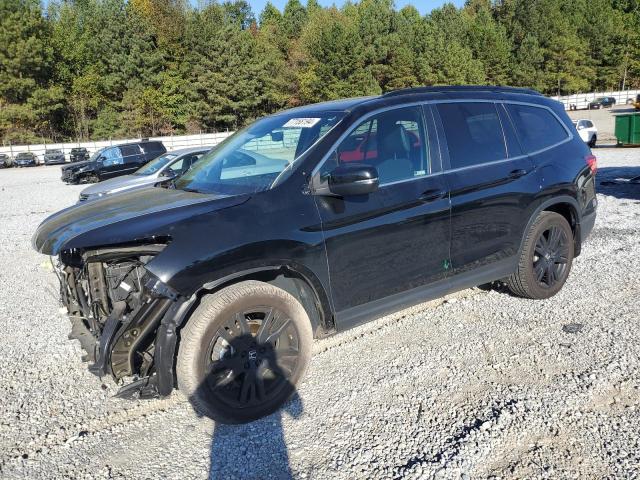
(81, 69)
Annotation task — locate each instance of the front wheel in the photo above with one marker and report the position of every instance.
(243, 351)
(546, 258)
(592, 142)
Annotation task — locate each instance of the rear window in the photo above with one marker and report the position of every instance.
(474, 134)
(536, 127)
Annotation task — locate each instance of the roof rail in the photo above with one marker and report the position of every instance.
(461, 88)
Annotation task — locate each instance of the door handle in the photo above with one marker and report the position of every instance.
(432, 195)
(517, 173)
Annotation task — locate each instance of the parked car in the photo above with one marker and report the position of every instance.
(587, 131)
(25, 159)
(171, 165)
(112, 162)
(78, 154)
(602, 102)
(636, 102)
(53, 157)
(5, 160)
(217, 283)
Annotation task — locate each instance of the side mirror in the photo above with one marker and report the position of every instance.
(168, 173)
(353, 179)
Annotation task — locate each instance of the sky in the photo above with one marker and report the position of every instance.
(424, 6)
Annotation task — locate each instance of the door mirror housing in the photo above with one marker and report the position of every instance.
(168, 173)
(353, 179)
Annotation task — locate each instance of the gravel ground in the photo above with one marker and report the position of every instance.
(478, 385)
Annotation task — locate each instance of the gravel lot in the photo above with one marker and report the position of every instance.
(479, 385)
(604, 119)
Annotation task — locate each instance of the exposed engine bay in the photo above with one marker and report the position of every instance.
(115, 309)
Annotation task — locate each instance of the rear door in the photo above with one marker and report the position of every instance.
(491, 184)
(395, 240)
(132, 156)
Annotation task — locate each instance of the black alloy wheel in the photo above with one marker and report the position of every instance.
(252, 357)
(243, 351)
(545, 259)
(550, 257)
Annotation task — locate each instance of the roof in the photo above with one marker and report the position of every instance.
(423, 93)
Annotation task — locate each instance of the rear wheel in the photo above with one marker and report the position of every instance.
(243, 351)
(546, 258)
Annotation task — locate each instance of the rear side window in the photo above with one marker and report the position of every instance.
(536, 127)
(474, 133)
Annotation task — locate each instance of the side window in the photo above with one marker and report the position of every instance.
(112, 156)
(179, 167)
(394, 142)
(474, 133)
(536, 127)
(130, 153)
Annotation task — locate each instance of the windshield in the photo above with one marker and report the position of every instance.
(156, 164)
(250, 160)
(96, 154)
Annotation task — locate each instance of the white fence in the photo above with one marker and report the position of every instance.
(579, 101)
(171, 143)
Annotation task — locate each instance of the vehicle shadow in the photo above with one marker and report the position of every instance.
(246, 373)
(619, 182)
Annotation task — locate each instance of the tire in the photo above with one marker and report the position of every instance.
(527, 281)
(592, 142)
(233, 370)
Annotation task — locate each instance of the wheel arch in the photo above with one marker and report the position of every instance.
(563, 205)
(295, 279)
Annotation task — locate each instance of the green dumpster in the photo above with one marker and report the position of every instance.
(628, 129)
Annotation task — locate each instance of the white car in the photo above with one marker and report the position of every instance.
(587, 131)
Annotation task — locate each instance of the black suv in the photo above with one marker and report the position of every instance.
(78, 154)
(112, 162)
(602, 102)
(314, 220)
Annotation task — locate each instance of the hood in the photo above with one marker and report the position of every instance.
(124, 182)
(76, 165)
(125, 218)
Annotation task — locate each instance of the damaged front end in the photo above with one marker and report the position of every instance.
(116, 307)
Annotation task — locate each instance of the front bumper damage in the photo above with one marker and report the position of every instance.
(123, 316)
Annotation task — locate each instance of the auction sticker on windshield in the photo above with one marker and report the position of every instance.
(301, 122)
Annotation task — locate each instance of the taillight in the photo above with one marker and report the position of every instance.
(592, 161)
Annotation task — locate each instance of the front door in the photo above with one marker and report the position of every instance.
(382, 245)
(112, 163)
